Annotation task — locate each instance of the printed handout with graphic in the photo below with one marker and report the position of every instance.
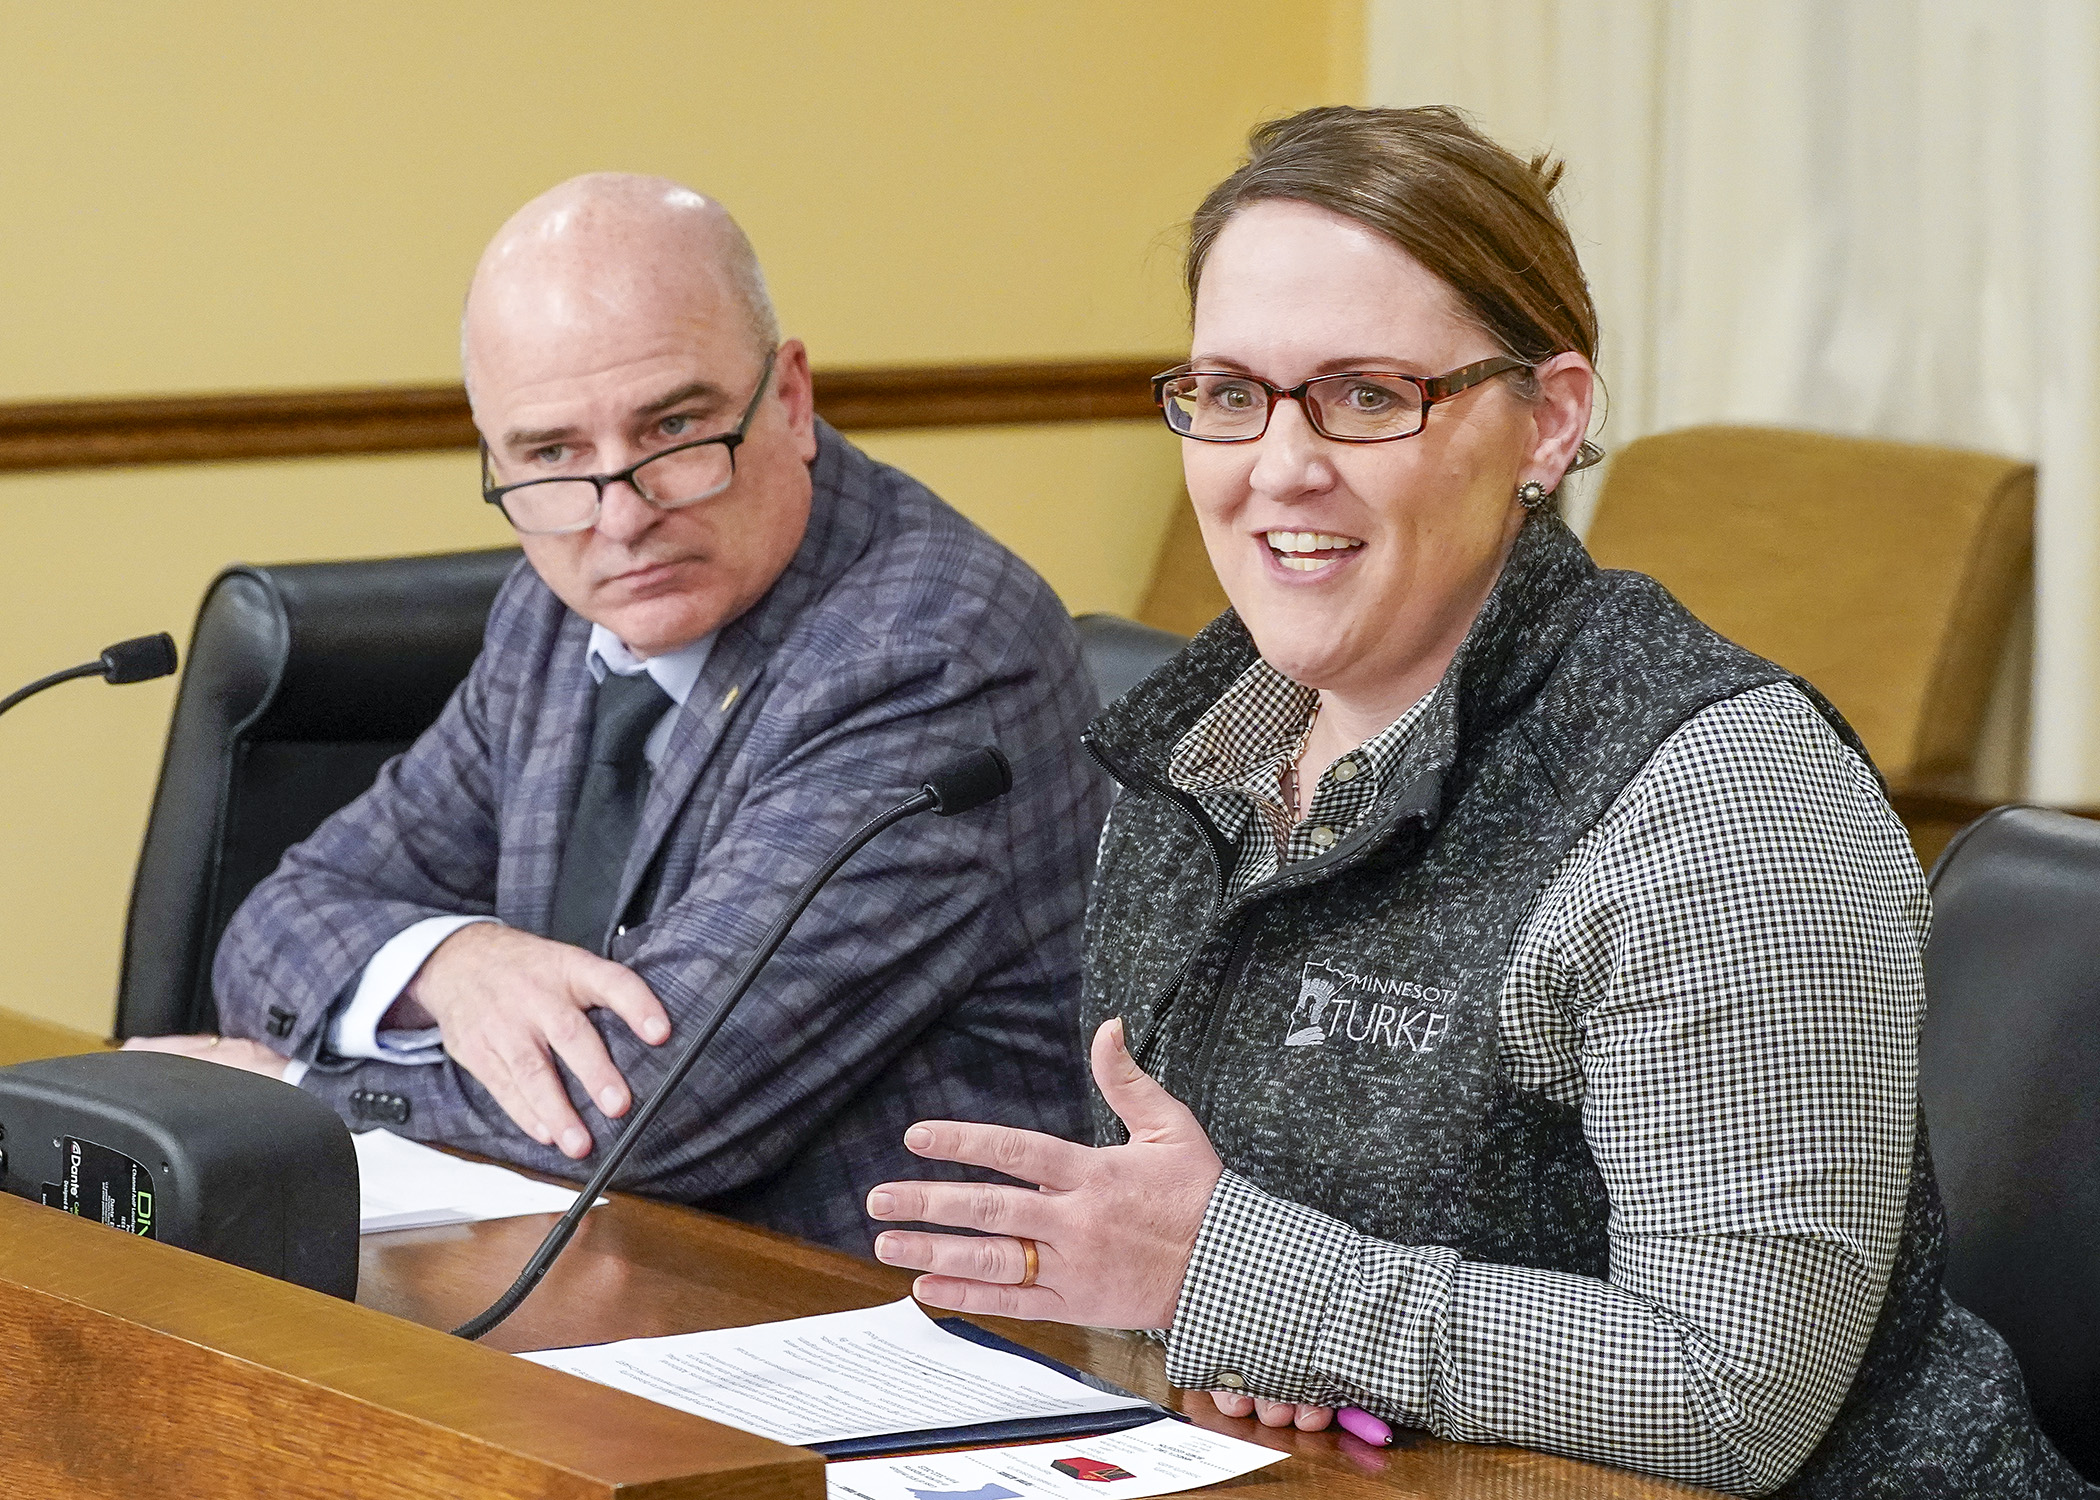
(1161, 1458)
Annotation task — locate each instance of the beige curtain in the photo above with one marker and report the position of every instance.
(1878, 217)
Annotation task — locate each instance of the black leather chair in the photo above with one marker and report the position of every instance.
(299, 683)
(1121, 653)
(2009, 1072)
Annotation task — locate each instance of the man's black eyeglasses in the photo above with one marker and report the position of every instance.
(669, 480)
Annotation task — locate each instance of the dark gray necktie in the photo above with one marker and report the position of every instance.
(608, 809)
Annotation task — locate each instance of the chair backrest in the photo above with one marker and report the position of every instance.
(1884, 573)
(1121, 653)
(1184, 594)
(2009, 1074)
(300, 682)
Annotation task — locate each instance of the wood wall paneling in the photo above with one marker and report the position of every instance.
(403, 419)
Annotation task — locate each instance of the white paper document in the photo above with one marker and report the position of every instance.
(1160, 1458)
(403, 1184)
(872, 1373)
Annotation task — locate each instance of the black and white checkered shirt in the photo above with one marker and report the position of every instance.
(1233, 760)
(1741, 933)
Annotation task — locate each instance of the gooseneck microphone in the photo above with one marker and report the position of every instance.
(138, 660)
(972, 781)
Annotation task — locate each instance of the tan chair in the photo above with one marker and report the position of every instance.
(1184, 595)
(1885, 573)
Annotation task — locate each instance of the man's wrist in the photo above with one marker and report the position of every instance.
(356, 1030)
(407, 1012)
(412, 1011)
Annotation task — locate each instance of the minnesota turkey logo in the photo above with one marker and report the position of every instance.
(1334, 1004)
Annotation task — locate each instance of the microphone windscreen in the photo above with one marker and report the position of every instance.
(970, 782)
(139, 660)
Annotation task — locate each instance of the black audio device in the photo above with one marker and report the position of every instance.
(213, 1159)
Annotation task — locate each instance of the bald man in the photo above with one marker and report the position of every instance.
(733, 639)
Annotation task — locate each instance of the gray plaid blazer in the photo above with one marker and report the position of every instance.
(936, 977)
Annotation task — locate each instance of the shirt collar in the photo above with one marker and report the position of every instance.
(1245, 735)
(1257, 724)
(674, 671)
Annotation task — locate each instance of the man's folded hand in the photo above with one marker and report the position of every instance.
(507, 1003)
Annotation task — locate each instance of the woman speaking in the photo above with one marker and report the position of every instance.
(1516, 986)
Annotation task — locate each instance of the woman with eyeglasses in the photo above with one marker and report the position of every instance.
(1507, 990)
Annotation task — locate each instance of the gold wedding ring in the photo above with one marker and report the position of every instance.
(1030, 1262)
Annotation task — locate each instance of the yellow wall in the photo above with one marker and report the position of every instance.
(241, 196)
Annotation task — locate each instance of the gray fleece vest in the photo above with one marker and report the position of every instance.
(1402, 1124)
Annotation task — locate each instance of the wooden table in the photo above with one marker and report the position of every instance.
(640, 1268)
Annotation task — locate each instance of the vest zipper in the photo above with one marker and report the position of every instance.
(1304, 873)
(1214, 1025)
(1214, 846)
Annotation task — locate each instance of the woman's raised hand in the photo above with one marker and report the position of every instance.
(1112, 1226)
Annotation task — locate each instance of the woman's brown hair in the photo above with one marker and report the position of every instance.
(1479, 219)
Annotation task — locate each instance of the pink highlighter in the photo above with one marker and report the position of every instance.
(1361, 1424)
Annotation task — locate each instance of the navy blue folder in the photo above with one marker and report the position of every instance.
(1021, 1430)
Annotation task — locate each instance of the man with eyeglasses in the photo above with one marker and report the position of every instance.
(737, 637)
